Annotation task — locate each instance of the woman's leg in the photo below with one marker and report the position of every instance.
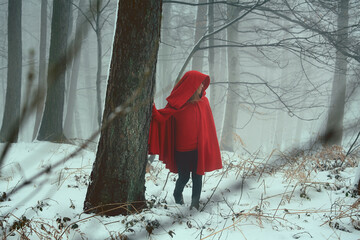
(196, 190)
(183, 176)
(196, 180)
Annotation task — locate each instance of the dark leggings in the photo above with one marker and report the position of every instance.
(186, 162)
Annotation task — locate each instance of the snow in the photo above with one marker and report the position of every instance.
(246, 201)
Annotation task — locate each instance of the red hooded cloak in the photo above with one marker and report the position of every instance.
(162, 126)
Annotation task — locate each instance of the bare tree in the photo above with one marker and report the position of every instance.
(279, 133)
(118, 175)
(10, 124)
(334, 126)
(97, 21)
(231, 107)
(42, 65)
(198, 47)
(200, 30)
(71, 103)
(165, 50)
(211, 56)
(51, 128)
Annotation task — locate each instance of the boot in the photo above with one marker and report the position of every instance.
(195, 204)
(178, 199)
(196, 190)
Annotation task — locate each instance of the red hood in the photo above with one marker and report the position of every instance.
(186, 87)
(163, 126)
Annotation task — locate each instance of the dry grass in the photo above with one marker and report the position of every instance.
(61, 228)
(298, 171)
(298, 174)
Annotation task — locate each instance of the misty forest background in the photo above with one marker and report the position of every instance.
(285, 74)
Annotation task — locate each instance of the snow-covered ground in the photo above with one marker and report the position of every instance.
(308, 198)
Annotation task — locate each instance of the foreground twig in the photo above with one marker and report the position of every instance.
(215, 188)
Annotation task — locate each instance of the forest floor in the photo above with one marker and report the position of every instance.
(281, 196)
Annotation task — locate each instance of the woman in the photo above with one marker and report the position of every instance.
(184, 134)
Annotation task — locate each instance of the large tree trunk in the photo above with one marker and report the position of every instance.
(42, 66)
(51, 128)
(334, 126)
(118, 175)
(80, 27)
(231, 109)
(10, 126)
(200, 29)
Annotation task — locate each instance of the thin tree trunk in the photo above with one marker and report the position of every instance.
(98, 74)
(4, 61)
(299, 131)
(69, 57)
(166, 66)
(71, 106)
(220, 101)
(280, 114)
(51, 128)
(212, 56)
(118, 175)
(299, 122)
(200, 29)
(10, 126)
(90, 92)
(42, 66)
(231, 109)
(279, 130)
(77, 120)
(282, 129)
(334, 126)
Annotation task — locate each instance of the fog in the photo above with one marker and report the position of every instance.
(283, 72)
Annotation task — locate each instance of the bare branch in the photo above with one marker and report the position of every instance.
(85, 15)
(197, 45)
(202, 4)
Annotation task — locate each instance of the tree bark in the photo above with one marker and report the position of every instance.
(334, 126)
(11, 120)
(118, 175)
(51, 128)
